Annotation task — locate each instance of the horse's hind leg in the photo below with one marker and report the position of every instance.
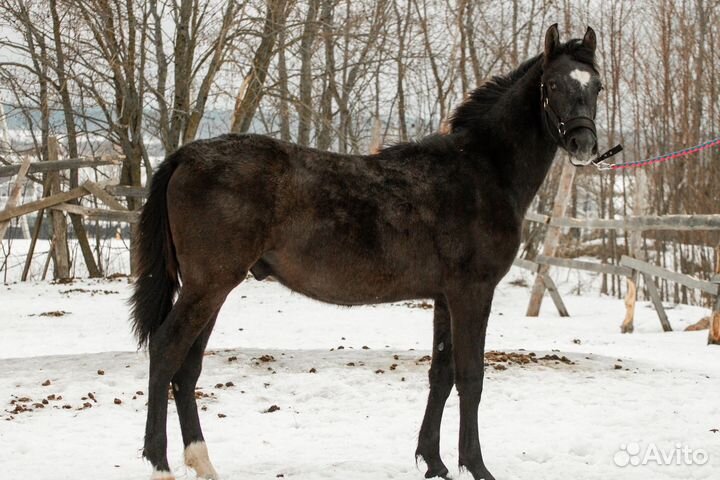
(169, 347)
(184, 382)
(441, 383)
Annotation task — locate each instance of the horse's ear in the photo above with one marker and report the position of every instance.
(590, 40)
(552, 40)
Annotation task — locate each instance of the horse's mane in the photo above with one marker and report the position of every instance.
(478, 102)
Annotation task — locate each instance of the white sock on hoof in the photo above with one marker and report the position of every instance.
(162, 475)
(196, 457)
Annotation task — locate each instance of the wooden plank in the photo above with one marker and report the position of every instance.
(15, 194)
(714, 330)
(657, 302)
(628, 325)
(36, 234)
(635, 250)
(526, 264)
(127, 191)
(37, 228)
(582, 265)
(638, 223)
(45, 167)
(99, 214)
(552, 237)
(537, 217)
(103, 196)
(655, 271)
(554, 294)
(43, 203)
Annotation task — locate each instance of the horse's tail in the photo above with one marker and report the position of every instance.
(156, 268)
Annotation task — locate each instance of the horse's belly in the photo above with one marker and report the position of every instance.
(352, 281)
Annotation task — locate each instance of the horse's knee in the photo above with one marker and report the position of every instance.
(441, 377)
(470, 386)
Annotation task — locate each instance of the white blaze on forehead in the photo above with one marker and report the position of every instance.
(582, 77)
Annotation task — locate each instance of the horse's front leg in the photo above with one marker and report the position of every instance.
(441, 383)
(470, 308)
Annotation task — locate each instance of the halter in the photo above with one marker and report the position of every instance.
(560, 128)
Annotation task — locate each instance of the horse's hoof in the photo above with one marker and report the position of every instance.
(196, 457)
(479, 472)
(435, 466)
(437, 473)
(162, 475)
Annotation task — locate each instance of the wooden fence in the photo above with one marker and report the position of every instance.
(631, 268)
(55, 200)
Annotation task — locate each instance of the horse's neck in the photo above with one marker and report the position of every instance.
(532, 150)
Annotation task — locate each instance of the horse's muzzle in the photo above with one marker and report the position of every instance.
(582, 146)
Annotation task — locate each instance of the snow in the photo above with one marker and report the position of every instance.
(545, 420)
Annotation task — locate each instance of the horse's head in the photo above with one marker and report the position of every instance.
(569, 89)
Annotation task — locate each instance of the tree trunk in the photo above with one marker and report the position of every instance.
(326, 114)
(69, 116)
(284, 92)
(305, 107)
(61, 254)
(251, 91)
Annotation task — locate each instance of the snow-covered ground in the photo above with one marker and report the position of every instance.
(357, 416)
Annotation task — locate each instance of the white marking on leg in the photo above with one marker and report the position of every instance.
(196, 457)
(581, 76)
(162, 475)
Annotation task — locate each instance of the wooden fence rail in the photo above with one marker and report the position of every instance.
(46, 167)
(661, 222)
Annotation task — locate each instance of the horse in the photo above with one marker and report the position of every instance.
(437, 219)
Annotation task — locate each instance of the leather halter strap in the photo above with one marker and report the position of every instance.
(559, 129)
(557, 126)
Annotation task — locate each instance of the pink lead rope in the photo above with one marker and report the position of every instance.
(662, 158)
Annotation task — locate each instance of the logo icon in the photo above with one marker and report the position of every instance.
(633, 455)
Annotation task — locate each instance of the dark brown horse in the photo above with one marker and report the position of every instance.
(440, 219)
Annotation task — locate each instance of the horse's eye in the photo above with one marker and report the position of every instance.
(553, 85)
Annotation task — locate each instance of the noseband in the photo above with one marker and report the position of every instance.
(559, 128)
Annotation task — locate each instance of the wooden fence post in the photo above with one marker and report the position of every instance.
(657, 302)
(714, 331)
(16, 193)
(60, 245)
(628, 325)
(635, 250)
(552, 237)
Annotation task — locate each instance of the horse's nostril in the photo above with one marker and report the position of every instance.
(574, 147)
(595, 149)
